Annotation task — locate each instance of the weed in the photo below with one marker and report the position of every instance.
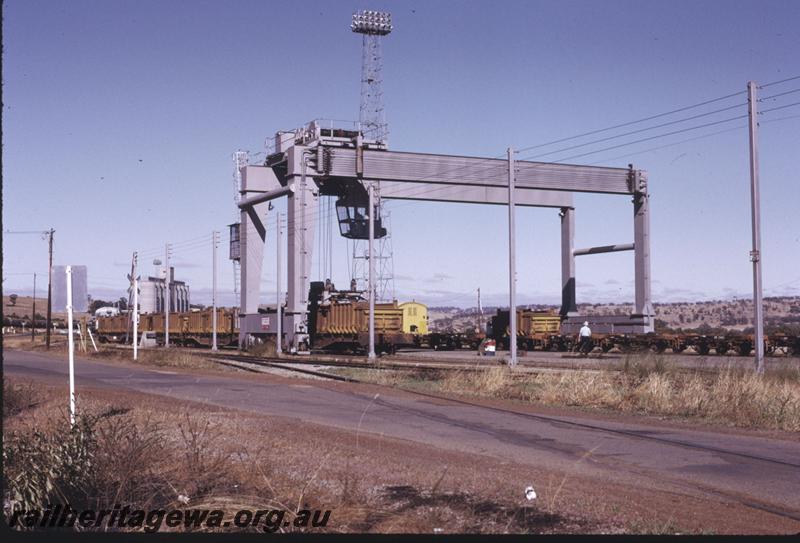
(17, 398)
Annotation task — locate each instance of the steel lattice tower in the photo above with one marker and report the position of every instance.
(240, 160)
(373, 26)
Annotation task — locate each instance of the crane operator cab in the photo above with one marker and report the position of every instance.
(351, 211)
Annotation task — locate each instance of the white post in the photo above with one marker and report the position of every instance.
(166, 296)
(371, 211)
(214, 292)
(278, 301)
(89, 329)
(71, 348)
(512, 264)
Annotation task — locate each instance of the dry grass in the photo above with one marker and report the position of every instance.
(172, 358)
(735, 397)
(647, 385)
(57, 342)
(491, 382)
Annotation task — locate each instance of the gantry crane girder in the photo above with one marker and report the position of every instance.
(314, 162)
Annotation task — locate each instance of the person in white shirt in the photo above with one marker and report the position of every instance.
(585, 339)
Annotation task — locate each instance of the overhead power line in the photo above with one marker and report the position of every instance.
(780, 107)
(670, 123)
(653, 137)
(779, 94)
(771, 83)
(629, 123)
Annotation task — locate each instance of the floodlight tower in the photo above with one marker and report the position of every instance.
(373, 25)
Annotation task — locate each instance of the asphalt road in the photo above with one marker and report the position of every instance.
(757, 471)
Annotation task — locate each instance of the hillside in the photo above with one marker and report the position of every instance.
(729, 314)
(24, 306)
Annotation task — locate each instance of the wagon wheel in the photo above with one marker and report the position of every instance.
(745, 347)
(703, 349)
(722, 347)
(606, 346)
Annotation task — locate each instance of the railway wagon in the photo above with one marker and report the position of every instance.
(535, 330)
(729, 344)
(112, 329)
(339, 321)
(542, 330)
(193, 328)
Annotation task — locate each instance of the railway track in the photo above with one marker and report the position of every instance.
(428, 364)
(469, 362)
(283, 362)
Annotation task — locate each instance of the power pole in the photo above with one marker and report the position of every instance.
(755, 208)
(371, 211)
(49, 289)
(135, 278)
(278, 300)
(214, 236)
(480, 312)
(166, 295)
(512, 264)
(33, 311)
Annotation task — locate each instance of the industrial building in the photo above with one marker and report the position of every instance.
(151, 294)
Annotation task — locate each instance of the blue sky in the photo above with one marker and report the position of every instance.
(120, 117)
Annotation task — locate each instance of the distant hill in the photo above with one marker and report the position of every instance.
(779, 312)
(24, 306)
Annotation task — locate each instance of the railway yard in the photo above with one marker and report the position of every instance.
(529, 335)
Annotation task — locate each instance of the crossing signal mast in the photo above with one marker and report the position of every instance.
(373, 26)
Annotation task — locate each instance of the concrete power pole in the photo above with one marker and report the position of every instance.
(33, 311)
(214, 237)
(512, 264)
(166, 295)
(755, 208)
(49, 290)
(480, 312)
(371, 211)
(278, 288)
(135, 306)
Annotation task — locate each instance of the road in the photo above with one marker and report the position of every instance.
(756, 471)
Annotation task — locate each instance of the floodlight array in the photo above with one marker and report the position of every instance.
(372, 22)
